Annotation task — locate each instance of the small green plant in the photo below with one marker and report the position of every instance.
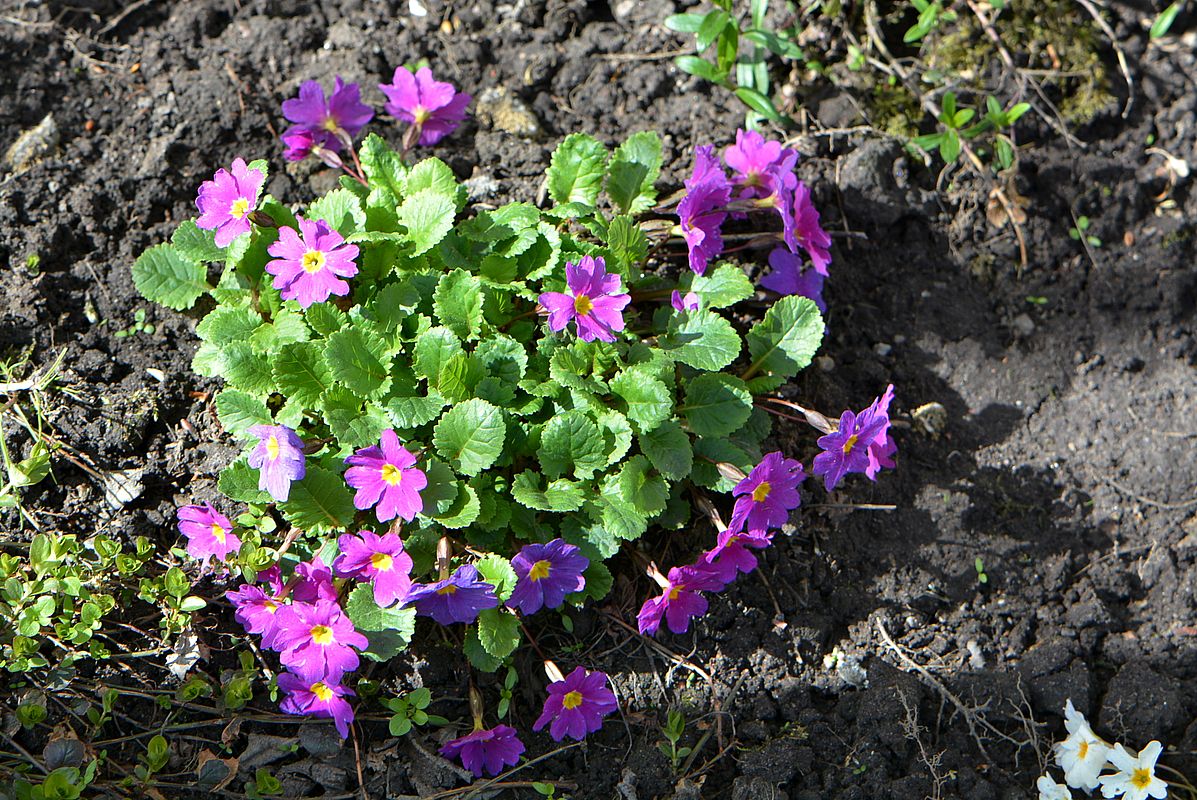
(930, 16)
(956, 129)
(139, 326)
(263, 785)
(675, 726)
(1163, 23)
(1080, 231)
(64, 783)
(410, 710)
(979, 565)
(27, 404)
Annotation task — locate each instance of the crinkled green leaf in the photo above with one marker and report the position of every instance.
(470, 436)
(247, 369)
(633, 170)
(647, 400)
(617, 434)
(287, 327)
(320, 503)
(325, 318)
(711, 451)
(388, 630)
(341, 209)
(384, 167)
(239, 411)
(411, 412)
(503, 357)
(575, 173)
(785, 341)
(498, 632)
(227, 324)
(435, 347)
(239, 481)
(477, 654)
(668, 448)
(724, 286)
(702, 339)
(559, 495)
(164, 276)
(497, 571)
(641, 487)
(458, 303)
(464, 510)
(571, 441)
(428, 216)
(301, 373)
(357, 358)
(716, 404)
(431, 174)
(195, 243)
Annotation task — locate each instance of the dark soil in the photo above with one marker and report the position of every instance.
(1065, 465)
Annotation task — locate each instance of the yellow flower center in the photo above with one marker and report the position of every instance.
(674, 592)
(270, 606)
(583, 305)
(572, 700)
(321, 634)
(219, 533)
(272, 448)
(539, 571)
(239, 208)
(1082, 751)
(447, 589)
(323, 692)
(382, 562)
(330, 125)
(392, 474)
(421, 115)
(848, 445)
(761, 492)
(313, 261)
(1141, 778)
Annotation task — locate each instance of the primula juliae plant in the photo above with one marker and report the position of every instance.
(462, 415)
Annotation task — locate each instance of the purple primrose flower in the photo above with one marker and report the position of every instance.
(847, 448)
(546, 574)
(457, 598)
(321, 123)
(576, 706)
(788, 277)
(385, 475)
(278, 457)
(309, 269)
(379, 559)
(593, 302)
(732, 554)
(257, 611)
(689, 302)
(882, 446)
(317, 698)
(435, 106)
(704, 208)
(681, 600)
(761, 167)
(486, 750)
(225, 201)
(314, 582)
(806, 232)
(209, 533)
(766, 497)
(318, 640)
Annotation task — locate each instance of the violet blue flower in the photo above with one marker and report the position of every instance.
(317, 698)
(318, 640)
(593, 301)
(706, 167)
(766, 497)
(435, 106)
(703, 210)
(314, 582)
(806, 232)
(385, 475)
(882, 446)
(847, 448)
(225, 201)
(545, 574)
(378, 559)
(688, 303)
(732, 554)
(486, 750)
(278, 457)
(761, 167)
(457, 598)
(209, 533)
(681, 600)
(576, 706)
(309, 269)
(321, 123)
(789, 277)
(257, 611)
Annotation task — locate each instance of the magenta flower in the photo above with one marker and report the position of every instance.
(805, 230)
(313, 581)
(257, 611)
(788, 277)
(766, 497)
(847, 448)
(278, 457)
(761, 167)
(324, 124)
(385, 475)
(882, 446)
(681, 600)
(593, 301)
(546, 573)
(484, 750)
(378, 559)
(702, 213)
(688, 303)
(436, 107)
(309, 269)
(209, 533)
(706, 167)
(576, 706)
(225, 201)
(457, 598)
(732, 554)
(318, 640)
(317, 698)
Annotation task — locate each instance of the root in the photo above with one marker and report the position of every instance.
(932, 761)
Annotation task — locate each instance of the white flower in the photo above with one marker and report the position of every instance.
(1050, 790)
(1135, 779)
(1082, 755)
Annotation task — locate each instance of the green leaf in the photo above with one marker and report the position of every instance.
(760, 104)
(645, 491)
(195, 243)
(716, 404)
(647, 400)
(247, 369)
(325, 318)
(575, 173)
(668, 448)
(238, 412)
(286, 328)
(431, 174)
(388, 630)
(458, 303)
(785, 341)
(497, 571)
(1164, 21)
(619, 517)
(228, 324)
(320, 503)
(358, 360)
(628, 246)
(498, 632)
(433, 349)
(701, 339)
(239, 481)
(341, 209)
(560, 495)
(463, 512)
(571, 441)
(470, 436)
(164, 276)
(503, 357)
(700, 67)
(477, 654)
(301, 373)
(684, 23)
(383, 166)
(725, 286)
(633, 171)
(617, 436)
(411, 412)
(428, 215)
(710, 29)
(352, 425)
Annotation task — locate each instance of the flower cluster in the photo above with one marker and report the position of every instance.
(1083, 756)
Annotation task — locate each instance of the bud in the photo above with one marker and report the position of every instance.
(262, 219)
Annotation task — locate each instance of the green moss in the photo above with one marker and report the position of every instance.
(895, 110)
